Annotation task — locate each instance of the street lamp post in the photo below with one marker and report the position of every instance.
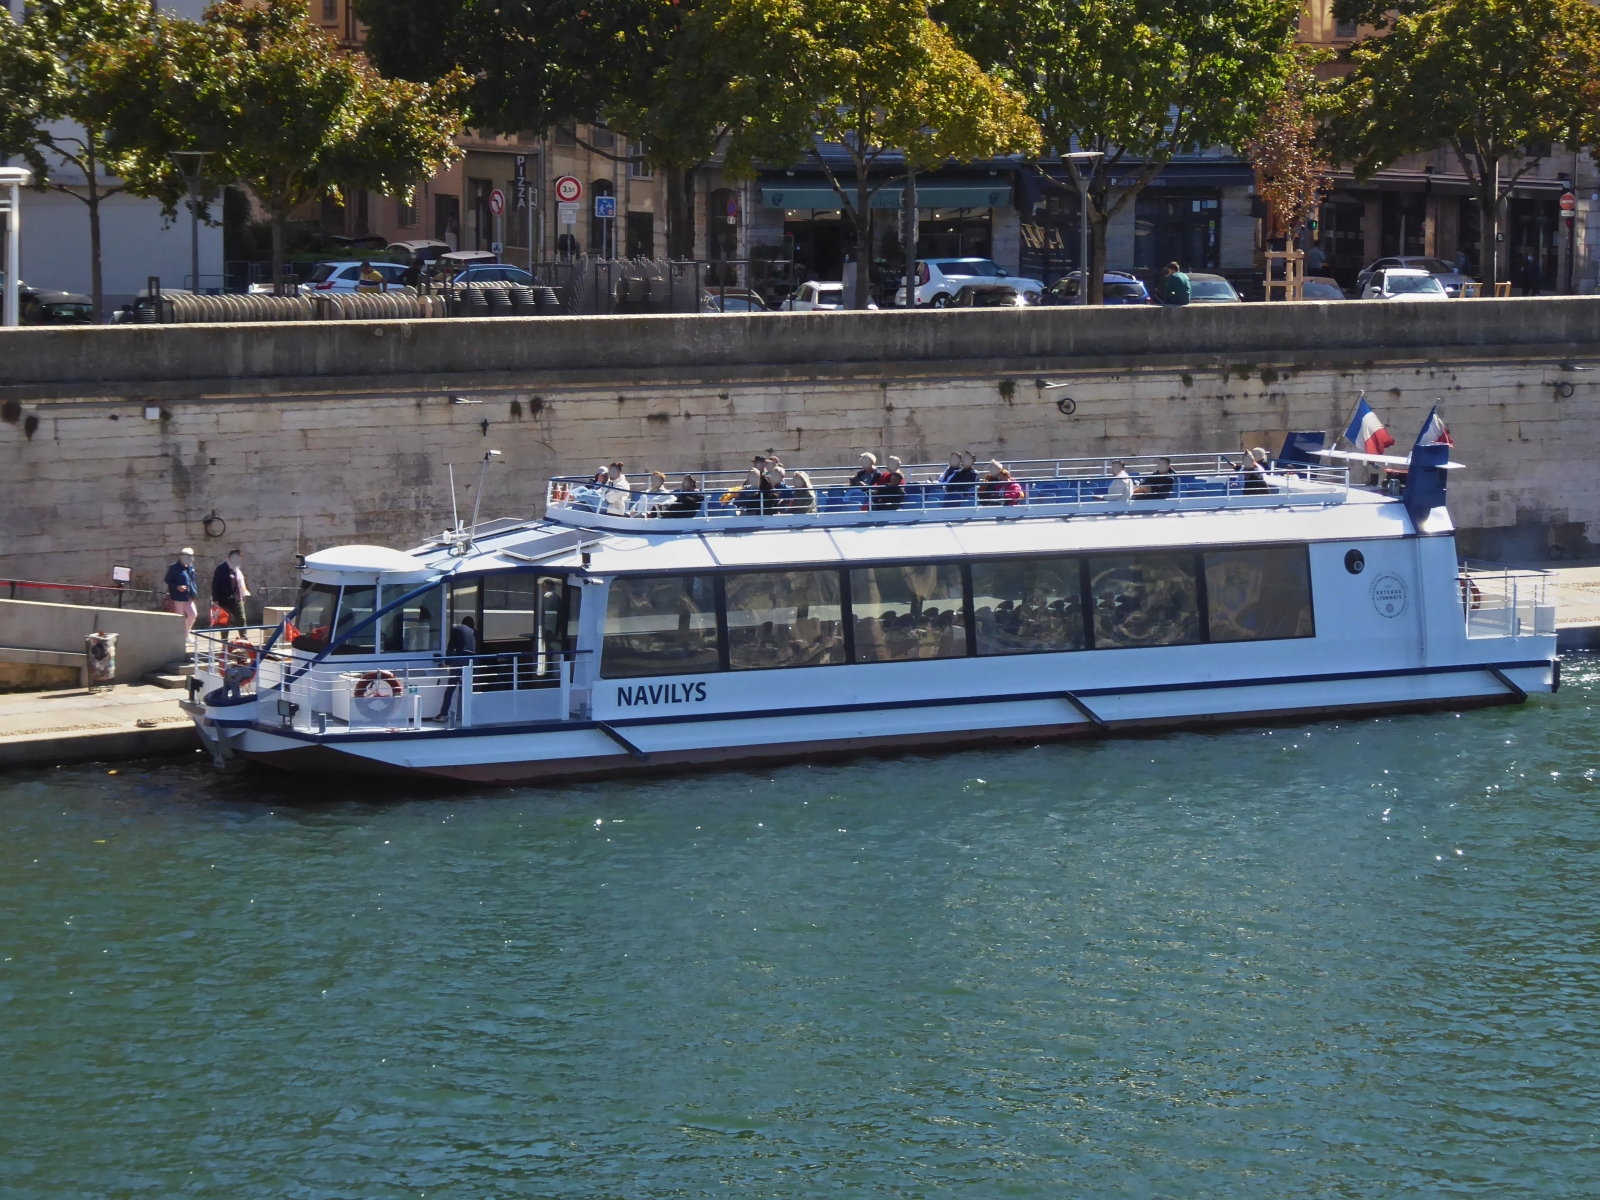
(1087, 156)
(191, 176)
(12, 180)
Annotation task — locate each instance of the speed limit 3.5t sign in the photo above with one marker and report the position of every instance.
(569, 189)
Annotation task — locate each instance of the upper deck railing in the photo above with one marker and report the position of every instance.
(1035, 487)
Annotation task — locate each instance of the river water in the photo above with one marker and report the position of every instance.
(1325, 960)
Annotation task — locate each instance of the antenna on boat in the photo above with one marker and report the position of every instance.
(455, 518)
(463, 539)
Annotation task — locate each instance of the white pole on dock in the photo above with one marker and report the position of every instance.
(13, 179)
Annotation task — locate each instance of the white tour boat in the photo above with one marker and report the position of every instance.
(727, 627)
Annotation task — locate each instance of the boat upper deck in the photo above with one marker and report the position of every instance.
(1046, 488)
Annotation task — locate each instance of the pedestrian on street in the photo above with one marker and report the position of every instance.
(228, 591)
(1174, 286)
(1315, 260)
(452, 233)
(371, 279)
(183, 588)
(413, 275)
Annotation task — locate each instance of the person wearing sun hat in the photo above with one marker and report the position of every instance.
(182, 588)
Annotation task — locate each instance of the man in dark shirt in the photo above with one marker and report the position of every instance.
(463, 638)
(225, 593)
(962, 486)
(1159, 484)
(1174, 286)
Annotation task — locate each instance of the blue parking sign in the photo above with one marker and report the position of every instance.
(605, 206)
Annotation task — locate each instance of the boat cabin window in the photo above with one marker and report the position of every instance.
(660, 625)
(1144, 600)
(413, 627)
(510, 613)
(1259, 593)
(1028, 606)
(356, 604)
(905, 613)
(784, 619)
(312, 622)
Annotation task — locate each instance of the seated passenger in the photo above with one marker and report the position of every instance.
(1159, 484)
(868, 473)
(889, 490)
(590, 496)
(646, 502)
(998, 487)
(618, 491)
(949, 473)
(748, 498)
(961, 487)
(803, 497)
(685, 502)
(1121, 487)
(1254, 471)
(776, 493)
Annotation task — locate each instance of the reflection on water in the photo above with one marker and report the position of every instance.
(1350, 959)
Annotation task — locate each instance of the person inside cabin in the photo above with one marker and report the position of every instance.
(685, 502)
(618, 491)
(1159, 484)
(803, 497)
(889, 489)
(1120, 489)
(646, 502)
(463, 639)
(998, 487)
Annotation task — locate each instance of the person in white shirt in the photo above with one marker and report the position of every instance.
(645, 502)
(619, 492)
(1121, 486)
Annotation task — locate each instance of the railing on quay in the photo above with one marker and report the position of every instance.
(451, 692)
(100, 595)
(1043, 485)
(1504, 601)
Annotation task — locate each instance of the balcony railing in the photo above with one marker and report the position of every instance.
(1502, 601)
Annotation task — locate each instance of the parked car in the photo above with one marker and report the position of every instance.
(939, 279)
(493, 273)
(406, 251)
(344, 276)
(993, 295)
(1211, 289)
(1404, 283)
(732, 300)
(1118, 287)
(1449, 278)
(1319, 287)
(37, 307)
(814, 296)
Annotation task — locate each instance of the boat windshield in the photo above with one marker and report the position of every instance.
(355, 606)
(312, 621)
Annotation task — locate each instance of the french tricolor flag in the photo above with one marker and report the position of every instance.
(1433, 431)
(1367, 432)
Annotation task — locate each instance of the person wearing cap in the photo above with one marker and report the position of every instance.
(182, 588)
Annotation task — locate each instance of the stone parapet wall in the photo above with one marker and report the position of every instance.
(294, 438)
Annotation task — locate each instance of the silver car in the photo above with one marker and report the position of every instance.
(1449, 278)
(939, 279)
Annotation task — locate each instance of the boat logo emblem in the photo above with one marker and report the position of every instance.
(1389, 595)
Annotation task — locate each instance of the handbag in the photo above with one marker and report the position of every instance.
(218, 615)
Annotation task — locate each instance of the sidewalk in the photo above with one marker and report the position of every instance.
(129, 721)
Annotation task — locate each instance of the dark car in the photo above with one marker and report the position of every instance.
(1319, 287)
(493, 273)
(54, 308)
(991, 295)
(1118, 287)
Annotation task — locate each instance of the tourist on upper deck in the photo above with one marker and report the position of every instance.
(949, 473)
(868, 474)
(619, 492)
(748, 498)
(182, 588)
(889, 489)
(656, 496)
(228, 591)
(803, 497)
(962, 484)
(777, 493)
(998, 487)
(1121, 486)
(686, 501)
(1254, 470)
(590, 495)
(1159, 484)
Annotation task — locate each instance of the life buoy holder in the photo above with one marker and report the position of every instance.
(242, 657)
(1471, 597)
(367, 686)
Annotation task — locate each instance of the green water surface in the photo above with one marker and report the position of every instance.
(1330, 960)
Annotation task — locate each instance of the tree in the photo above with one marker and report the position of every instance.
(1293, 171)
(59, 86)
(1486, 78)
(283, 110)
(874, 77)
(1138, 81)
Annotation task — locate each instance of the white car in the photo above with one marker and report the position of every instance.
(815, 297)
(939, 279)
(1449, 278)
(344, 276)
(1403, 283)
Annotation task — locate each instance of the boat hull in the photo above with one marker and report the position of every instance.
(576, 750)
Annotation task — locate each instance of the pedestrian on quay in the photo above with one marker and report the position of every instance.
(371, 279)
(1174, 285)
(228, 591)
(183, 588)
(1315, 260)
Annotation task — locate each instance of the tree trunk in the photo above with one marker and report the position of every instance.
(278, 216)
(680, 213)
(910, 207)
(1094, 272)
(96, 283)
(1489, 225)
(863, 220)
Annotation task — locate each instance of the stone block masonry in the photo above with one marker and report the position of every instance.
(118, 444)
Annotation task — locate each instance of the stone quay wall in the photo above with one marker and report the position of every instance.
(120, 444)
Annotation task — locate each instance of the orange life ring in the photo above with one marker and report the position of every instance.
(367, 686)
(1471, 597)
(242, 655)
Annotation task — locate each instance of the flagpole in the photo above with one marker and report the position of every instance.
(1345, 424)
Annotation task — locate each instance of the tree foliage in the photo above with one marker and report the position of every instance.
(1486, 78)
(1293, 169)
(1139, 81)
(283, 110)
(61, 84)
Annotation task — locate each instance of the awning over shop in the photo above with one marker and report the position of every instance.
(931, 195)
